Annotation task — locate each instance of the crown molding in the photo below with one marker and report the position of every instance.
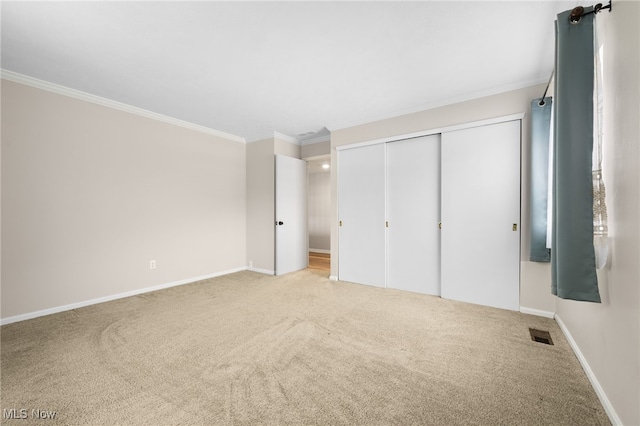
(286, 138)
(259, 139)
(83, 96)
(290, 139)
(273, 136)
(319, 139)
(443, 102)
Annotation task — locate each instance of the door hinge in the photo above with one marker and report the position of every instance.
(340, 223)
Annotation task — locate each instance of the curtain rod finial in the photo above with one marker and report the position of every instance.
(576, 14)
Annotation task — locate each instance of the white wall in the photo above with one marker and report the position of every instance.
(260, 237)
(289, 149)
(315, 149)
(261, 205)
(608, 334)
(535, 278)
(91, 194)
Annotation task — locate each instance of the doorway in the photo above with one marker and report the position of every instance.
(319, 212)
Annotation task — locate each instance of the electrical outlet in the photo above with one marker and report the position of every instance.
(251, 264)
(152, 264)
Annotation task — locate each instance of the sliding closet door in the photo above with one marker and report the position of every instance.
(361, 212)
(481, 215)
(413, 212)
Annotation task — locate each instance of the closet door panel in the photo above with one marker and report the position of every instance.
(361, 211)
(481, 215)
(413, 212)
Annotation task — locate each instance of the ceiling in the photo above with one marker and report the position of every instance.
(252, 68)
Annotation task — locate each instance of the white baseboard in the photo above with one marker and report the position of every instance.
(536, 312)
(314, 250)
(333, 278)
(82, 304)
(262, 271)
(613, 416)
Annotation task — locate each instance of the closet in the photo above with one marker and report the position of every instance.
(480, 208)
(361, 197)
(435, 214)
(413, 213)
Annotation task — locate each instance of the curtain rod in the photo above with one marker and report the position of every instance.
(542, 102)
(578, 12)
(574, 18)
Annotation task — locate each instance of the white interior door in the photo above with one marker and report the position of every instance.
(291, 215)
(480, 210)
(413, 212)
(361, 205)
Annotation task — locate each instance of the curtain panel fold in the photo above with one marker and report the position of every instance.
(572, 252)
(539, 187)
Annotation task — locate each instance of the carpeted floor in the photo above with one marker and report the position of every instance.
(249, 348)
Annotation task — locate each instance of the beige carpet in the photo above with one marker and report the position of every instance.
(299, 349)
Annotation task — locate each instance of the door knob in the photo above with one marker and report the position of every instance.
(280, 223)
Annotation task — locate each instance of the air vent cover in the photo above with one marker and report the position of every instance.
(540, 336)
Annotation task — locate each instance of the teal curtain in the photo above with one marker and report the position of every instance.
(539, 189)
(572, 253)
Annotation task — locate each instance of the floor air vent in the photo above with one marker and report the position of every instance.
(540, 336)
